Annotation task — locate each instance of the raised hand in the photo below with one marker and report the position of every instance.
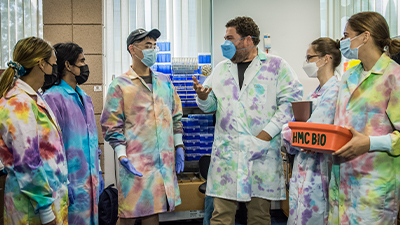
(202, 92)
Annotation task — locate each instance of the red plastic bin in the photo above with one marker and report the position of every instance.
(324, 138)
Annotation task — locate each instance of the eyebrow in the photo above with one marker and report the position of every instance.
(149, 43)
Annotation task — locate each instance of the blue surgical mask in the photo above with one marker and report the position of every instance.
(149, 56)
(229, 49)
(347, 51)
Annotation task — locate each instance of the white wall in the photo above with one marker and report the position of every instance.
(292, 24)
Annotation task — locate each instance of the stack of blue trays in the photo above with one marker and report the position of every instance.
(184, 86)
(204, 59)
(198, 135)
(163, 63)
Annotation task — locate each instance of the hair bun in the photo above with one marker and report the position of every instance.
(337, 44)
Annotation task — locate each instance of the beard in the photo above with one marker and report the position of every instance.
(240, 55)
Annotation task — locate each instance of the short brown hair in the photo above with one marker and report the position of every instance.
(245, 26)
(327, 46)
(377, 26)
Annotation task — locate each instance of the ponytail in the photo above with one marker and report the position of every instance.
(394, 46)
(6, 81)
(27, 54)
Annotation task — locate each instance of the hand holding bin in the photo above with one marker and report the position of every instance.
(323, 138)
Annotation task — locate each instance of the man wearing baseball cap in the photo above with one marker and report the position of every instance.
(142, 122)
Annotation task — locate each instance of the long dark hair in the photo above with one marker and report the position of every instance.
(65, 52)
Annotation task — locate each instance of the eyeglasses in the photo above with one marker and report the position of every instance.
(310, 57)
(151, 47)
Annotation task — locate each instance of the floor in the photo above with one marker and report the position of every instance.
(277, 218)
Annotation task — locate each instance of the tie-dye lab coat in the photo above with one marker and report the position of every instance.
(32, 151)
(147, 123)
(243, 166)
(308, 189)
(365, 190)
(78, 126)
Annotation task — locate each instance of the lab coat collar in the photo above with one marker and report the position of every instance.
(133, 75)
(70, 90)
(331, 82)
(250, 72)
(20, 87)
(378, 69)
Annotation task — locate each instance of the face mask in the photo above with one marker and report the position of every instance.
(311, 69)
(83, 76)
(50, 78)
(229, 49)
(149, 56)
(347, 51)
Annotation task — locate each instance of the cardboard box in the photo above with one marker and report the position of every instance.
(192, 198)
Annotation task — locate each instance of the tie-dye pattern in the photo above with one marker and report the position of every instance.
(365, 190)
(78, 126)
(308, 190)
(242, 165)
(32, 151)
(145, 122)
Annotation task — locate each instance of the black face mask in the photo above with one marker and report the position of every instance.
(84, 76)
(51, 78)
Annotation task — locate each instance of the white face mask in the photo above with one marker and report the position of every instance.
(311, 69)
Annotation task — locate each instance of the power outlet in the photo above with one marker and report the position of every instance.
(98, 88)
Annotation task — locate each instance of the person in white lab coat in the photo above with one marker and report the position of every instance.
(251, 94)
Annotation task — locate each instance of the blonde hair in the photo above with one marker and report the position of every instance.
(377, 26)
(28, 52)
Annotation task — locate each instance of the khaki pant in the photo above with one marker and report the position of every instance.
(257, 212)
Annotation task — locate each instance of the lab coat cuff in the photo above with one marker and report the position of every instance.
(203, 103)
(381, 143)
(272, 129)
(46, 215)
(178, 139)
(120, 150)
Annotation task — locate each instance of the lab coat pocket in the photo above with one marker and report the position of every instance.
(221, 149)
(258, 148)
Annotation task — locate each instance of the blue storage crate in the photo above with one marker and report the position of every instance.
(180, 86)
(203, 122)
(206, 137)
(191, 143)
(203, 130)
(206, 144)
(185, 121)
(211, 129)
(183, 103)
(164, 57)
(191, 136)
(191, 130)
(207, 150)
(191, 96)
(192, 157)
(192, 150)
(191, 103)
(178, 77)
(193, 122)
(189, 85)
